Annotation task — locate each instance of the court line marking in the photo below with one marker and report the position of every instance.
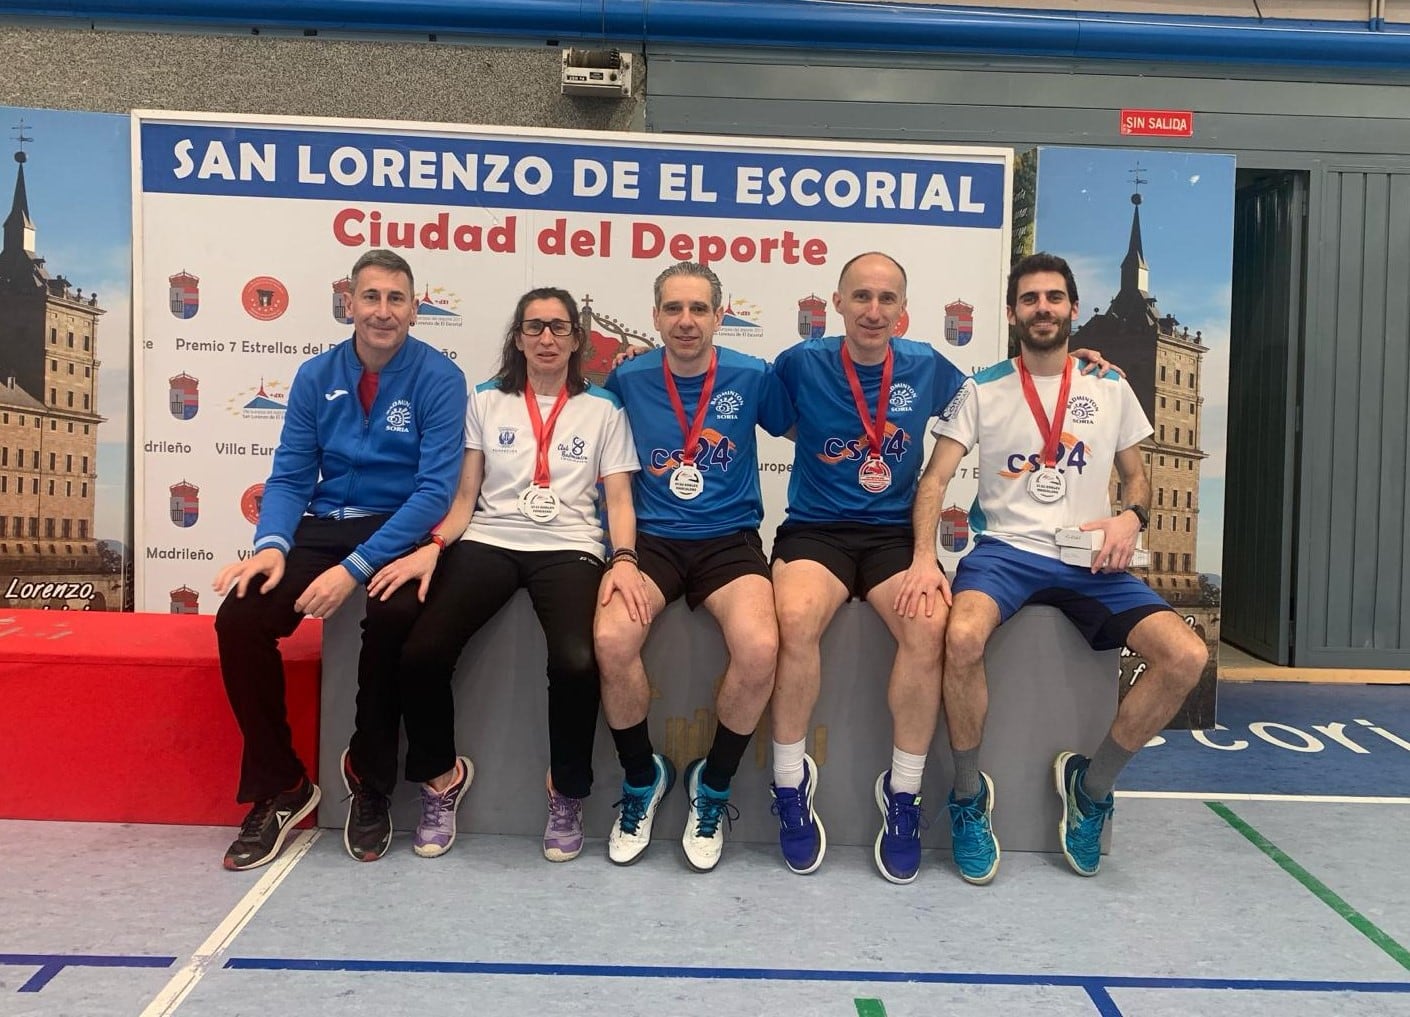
(1315, 886)
(51, 964)
(185, 980)
(1086, 982)
(1229, 796)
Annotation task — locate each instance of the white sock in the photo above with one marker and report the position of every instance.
(906, 771)
(788, 763)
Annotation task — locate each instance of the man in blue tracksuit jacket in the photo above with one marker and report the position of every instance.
(367, 463)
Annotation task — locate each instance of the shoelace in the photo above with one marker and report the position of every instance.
(904, 820)
(563, 813)
(967, 824)
(436, 805)
(633, 808)
(368, 806)
(708, 812)
(255, 821)
(788, 807)
(1086, 834)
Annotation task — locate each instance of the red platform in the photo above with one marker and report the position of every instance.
(123, 717)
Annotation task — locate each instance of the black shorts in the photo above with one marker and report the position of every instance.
(861, 556)
(697, 568)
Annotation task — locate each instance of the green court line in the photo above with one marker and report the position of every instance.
(870, 1008)
(1320, 890)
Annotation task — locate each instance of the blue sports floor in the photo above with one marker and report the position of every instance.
(1216, 902)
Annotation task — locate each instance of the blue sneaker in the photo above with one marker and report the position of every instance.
(801, 834)
(1082, 819)
(703, 839)
(631, 833)
(898, 844)
(975, 846)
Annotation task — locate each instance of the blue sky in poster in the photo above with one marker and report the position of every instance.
(78, 179)
(1187, 214)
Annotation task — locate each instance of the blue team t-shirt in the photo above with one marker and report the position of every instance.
(746, 394)
(831, 439)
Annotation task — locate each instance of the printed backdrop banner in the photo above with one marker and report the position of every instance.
(246, 229)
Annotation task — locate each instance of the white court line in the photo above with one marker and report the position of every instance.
(1227, 796)
(181, 983)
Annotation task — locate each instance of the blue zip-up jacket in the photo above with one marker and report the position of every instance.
(403, 458)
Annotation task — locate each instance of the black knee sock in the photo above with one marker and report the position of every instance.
(634, 751)
(723, 761)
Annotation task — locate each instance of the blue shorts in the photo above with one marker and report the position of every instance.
(1104, 606)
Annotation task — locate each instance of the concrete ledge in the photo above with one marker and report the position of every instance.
(1048, 692)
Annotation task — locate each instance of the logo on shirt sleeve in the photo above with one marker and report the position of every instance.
(953, 407)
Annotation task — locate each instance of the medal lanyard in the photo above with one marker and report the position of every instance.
(876, 430)
(1049, 432)
(543, 431)
(697, 425)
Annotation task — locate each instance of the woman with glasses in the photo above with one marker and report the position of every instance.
(538, 436)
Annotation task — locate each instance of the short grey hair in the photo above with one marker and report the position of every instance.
(691, 270)
(389, 260)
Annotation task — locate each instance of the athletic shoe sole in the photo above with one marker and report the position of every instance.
(988, 877)
(436, 850)
(347, 843)
(649, 821)
(811, 768)
(876, 850)
(294, 821)
(1060, 782)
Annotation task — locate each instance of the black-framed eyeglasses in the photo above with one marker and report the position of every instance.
(535, 326)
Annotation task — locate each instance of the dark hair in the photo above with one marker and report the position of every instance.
(690, 270)
(1040, 262)
(868, 254)
(514, 366)
(389, 260)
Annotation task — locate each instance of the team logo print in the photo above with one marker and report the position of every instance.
(342, 301)
(841, 450)
(714, 451)
(185, 504)
(1072, 454)
(903, 397)
(740, 319)
(250, 502)
(727, 404)
(507, 436)
(399, 416)
(185, 600)
(954, 529)
(1082, 409)
(183, 397)
(953, 406)
(265, 402)
(264, 298)
(959, 323)
(812, 317)
(438, 306)
(185, 295)
(574, 449)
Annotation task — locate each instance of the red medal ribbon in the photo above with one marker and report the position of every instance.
(543, 432)
(697, 425)
(1050, 433)
(876, 430)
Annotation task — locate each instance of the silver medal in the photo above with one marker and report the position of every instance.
(1047, 485)
(687, 482)
(539, 503)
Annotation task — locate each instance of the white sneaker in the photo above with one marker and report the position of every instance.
(631, 833)
(704, 839)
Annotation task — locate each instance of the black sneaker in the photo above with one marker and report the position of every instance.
(368, 830)
(267, 824)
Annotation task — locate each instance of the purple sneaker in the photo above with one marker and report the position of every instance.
(563, 837)
(436, 831)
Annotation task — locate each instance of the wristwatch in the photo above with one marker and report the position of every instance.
(1141, 514)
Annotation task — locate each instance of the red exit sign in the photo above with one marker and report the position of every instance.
(1164, 123)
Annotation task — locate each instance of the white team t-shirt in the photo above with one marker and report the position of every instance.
(591, 439)
(1103, 417)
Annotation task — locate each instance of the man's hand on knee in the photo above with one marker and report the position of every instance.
(268, 562)
(326, 594)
